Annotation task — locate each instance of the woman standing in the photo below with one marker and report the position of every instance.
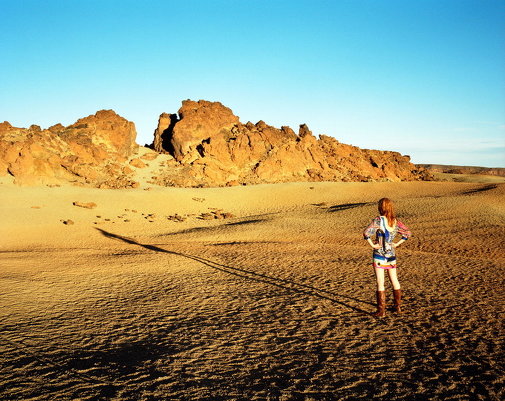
(385, 227)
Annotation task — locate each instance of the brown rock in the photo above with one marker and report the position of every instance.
(214, 148)
(304, 131)
(163, 133)
(209, 146)
(127, 170)
(82, 153)
(137, 163)
(87, 205)
(56, 128)
(199, 121)
(5, 126)
(149, 156)
(108, 129)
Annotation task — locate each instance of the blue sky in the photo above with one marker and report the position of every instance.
(425, 77)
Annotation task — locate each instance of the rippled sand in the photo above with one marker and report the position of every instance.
(272, 304)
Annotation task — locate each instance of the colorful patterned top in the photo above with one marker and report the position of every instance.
(385, 257)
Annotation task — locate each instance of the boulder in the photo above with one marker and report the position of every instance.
(199, 121)
(137, 163)
(106, 129)
(85, 205)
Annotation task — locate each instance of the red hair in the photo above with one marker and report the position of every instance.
(386, 209)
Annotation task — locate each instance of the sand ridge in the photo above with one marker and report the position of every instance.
(273, 303)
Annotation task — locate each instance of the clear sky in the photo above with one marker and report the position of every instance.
(424, 77)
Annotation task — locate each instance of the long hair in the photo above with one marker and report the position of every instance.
(386, 209)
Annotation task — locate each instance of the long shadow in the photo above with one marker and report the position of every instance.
(346, 206)
(246, 243)
(213, 228)
(236, 271)
(481, 189)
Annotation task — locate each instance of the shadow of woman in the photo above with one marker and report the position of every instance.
(258, 277)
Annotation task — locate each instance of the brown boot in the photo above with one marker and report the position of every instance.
(381, 304)
(397, 295)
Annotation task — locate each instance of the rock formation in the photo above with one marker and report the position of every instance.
(214, 148)
(90, 152)
(208, 145)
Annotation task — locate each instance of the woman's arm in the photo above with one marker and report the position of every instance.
(404, 231)
(370, 231)
(372, 228)
(374, 246)
(398, 243)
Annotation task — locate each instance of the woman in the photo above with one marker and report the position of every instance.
(385, 227)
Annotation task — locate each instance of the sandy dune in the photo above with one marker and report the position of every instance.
(272, 304)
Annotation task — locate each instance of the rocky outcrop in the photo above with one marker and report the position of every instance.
(214, 148)
(206, 143)
(89, 152)
(199, 121)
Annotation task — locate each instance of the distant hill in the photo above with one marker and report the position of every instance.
(451, 169)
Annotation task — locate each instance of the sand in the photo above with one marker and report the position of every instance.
(274, 303)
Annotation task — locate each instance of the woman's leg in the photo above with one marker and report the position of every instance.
(394, 279)
(397, 293)
(381, 293)
(379, 275)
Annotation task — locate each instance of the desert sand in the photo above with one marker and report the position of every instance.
(273, 302)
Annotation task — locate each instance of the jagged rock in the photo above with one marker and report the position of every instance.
(304, 131)
(208, 146)
(177, 218)
(106, 129)
(214, 148)
(84, 153)
(199, 121)
(216, 215)
(4, 127)
(163, 133)
(56, 128)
